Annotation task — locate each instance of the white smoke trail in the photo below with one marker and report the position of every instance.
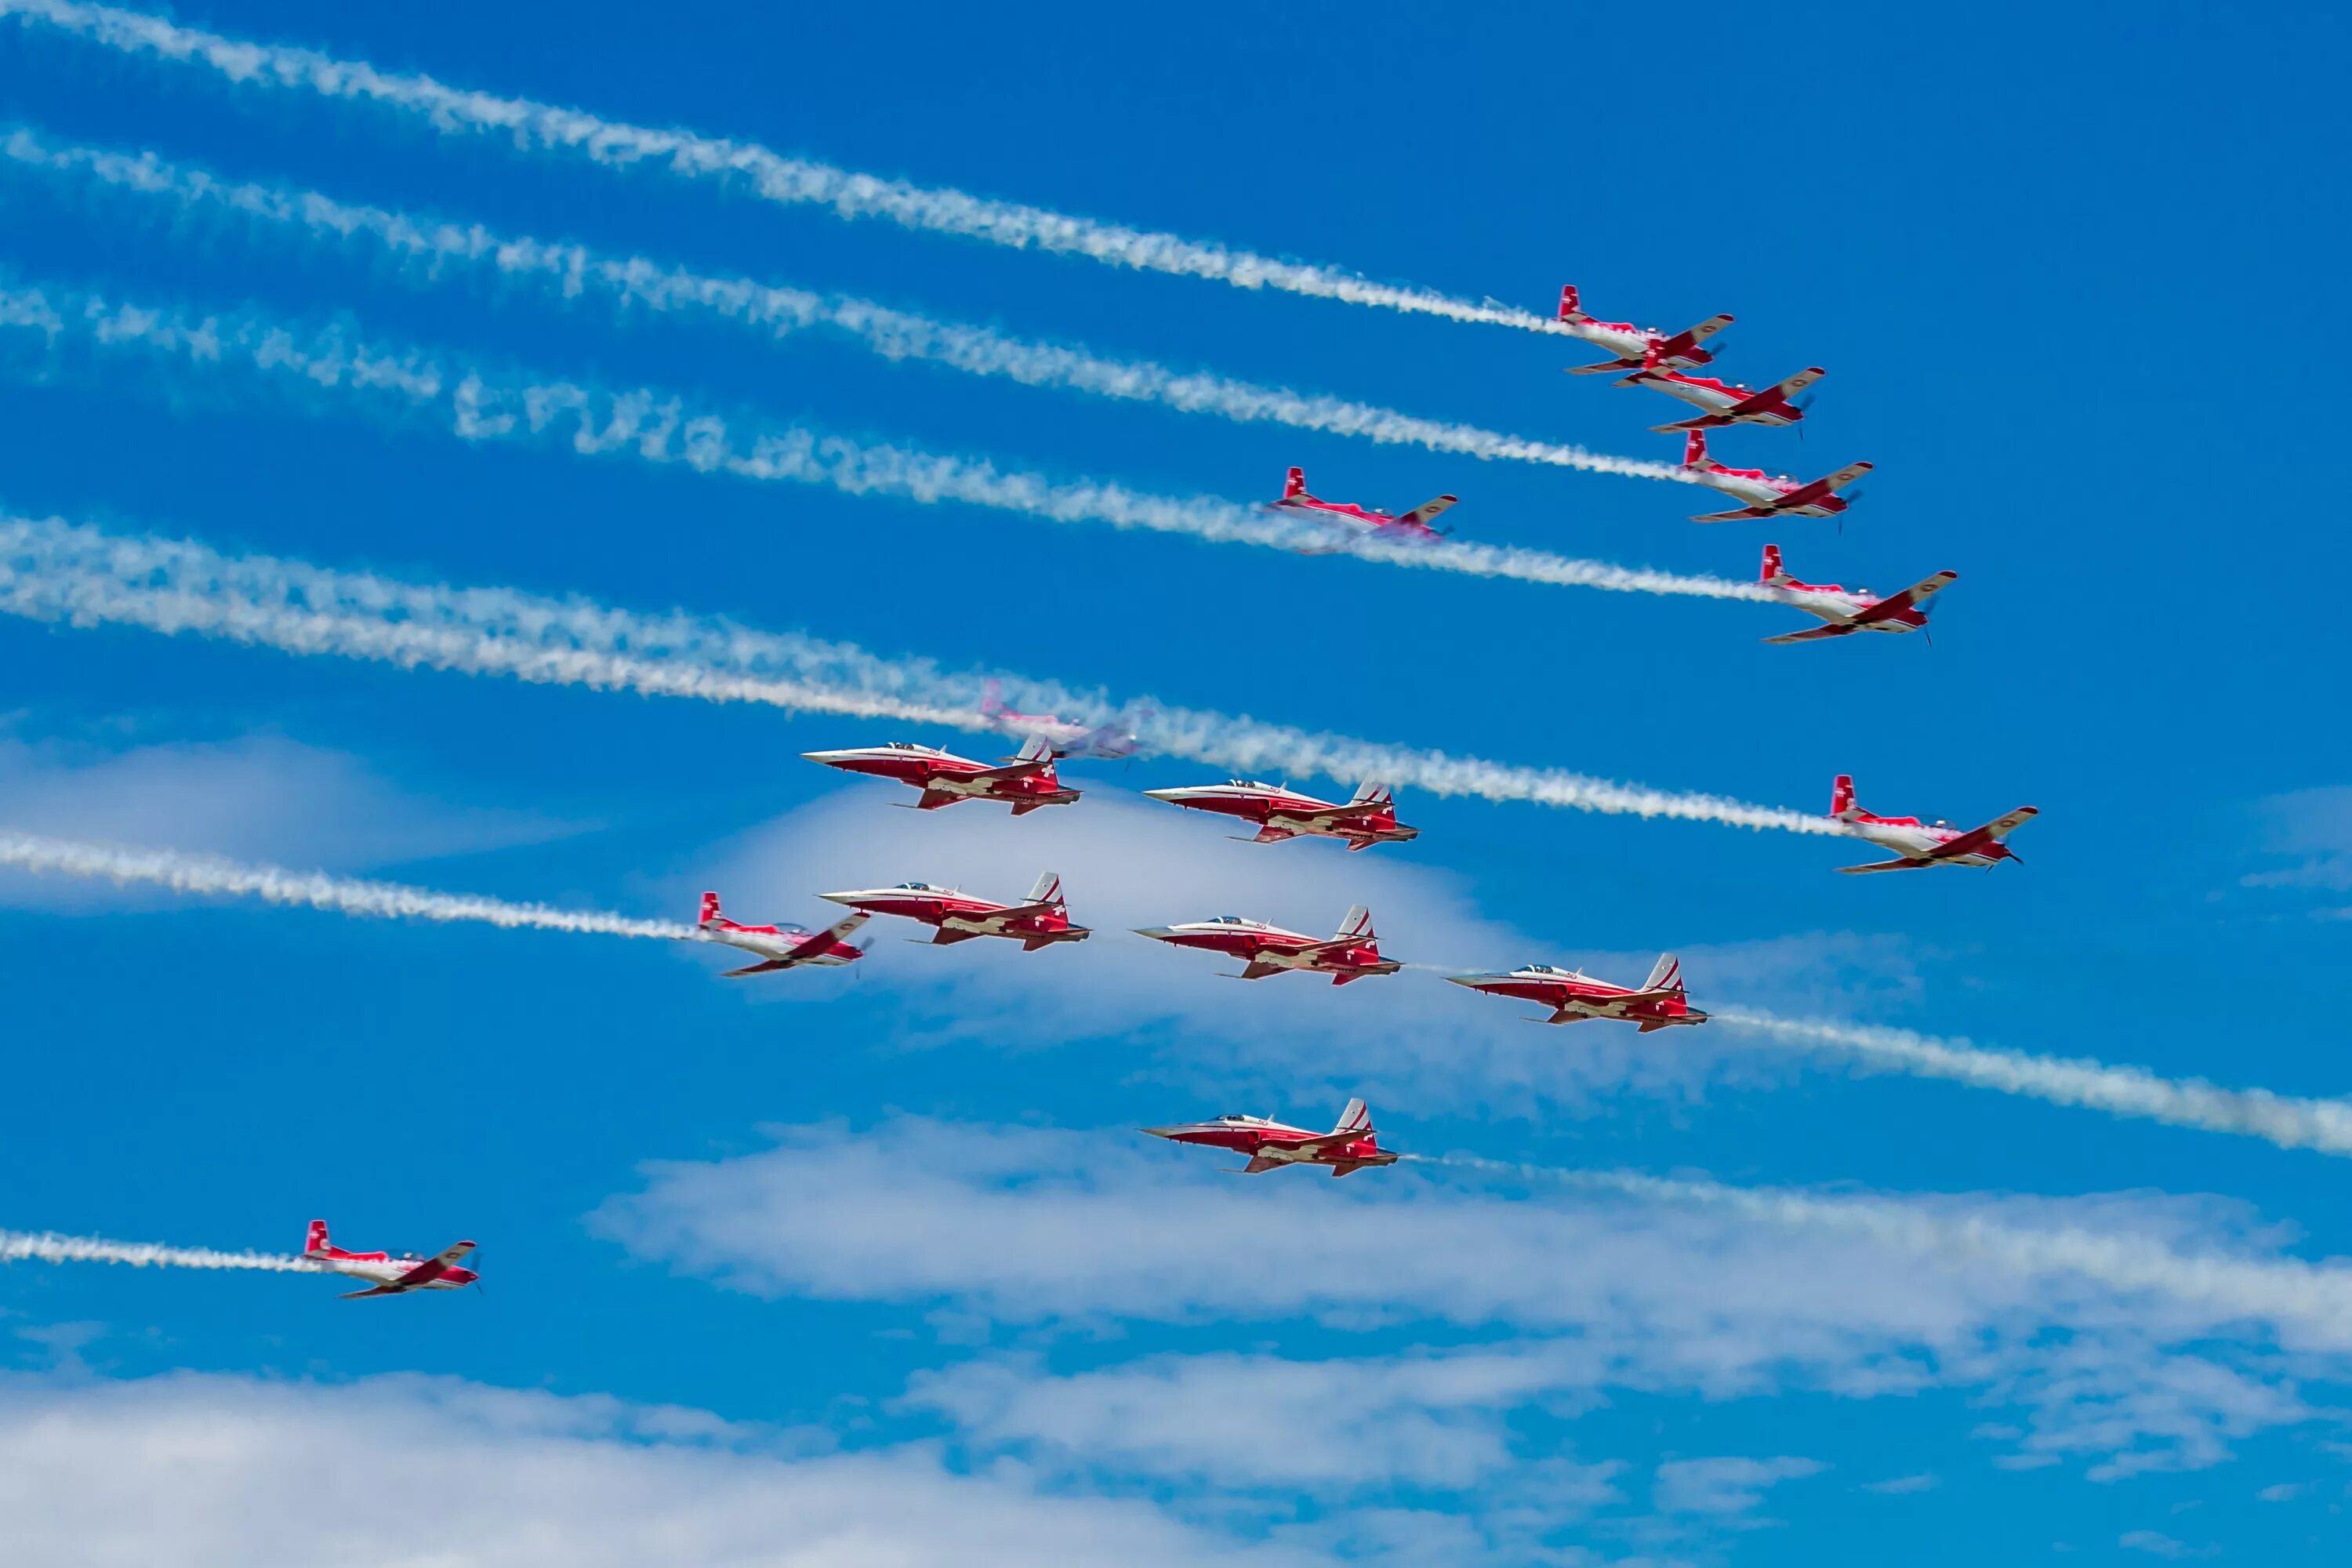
(778, 312)
(483, 403)
(2286, 1122)
(18, 1247)
(185, 873)
(2316, 1297)
(58, 572)
(535, 127)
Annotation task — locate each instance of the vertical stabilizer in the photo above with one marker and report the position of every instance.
(1294, 483)
(1666, 975)
(1048, 889)
(1842, 805)
(1570, 309)
(1357, 1118)
(1359, 925)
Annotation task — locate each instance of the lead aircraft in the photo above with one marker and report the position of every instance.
(1025, 782)
(1924, 843)
(782, 947)
(1268, 949)
(1039, 920)
(1368, 817)
(1411, 528)
(1766, 495)
(1270, 1145)
(1636, 347)
(1850, 611)
(1573, 995)
(390, 1276)
(1721, 403)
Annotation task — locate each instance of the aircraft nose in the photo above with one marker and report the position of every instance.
(1470, 980)
(1159, 1131)
(1157, 934)
(1167, 794)
(826, 756)
(850, 899)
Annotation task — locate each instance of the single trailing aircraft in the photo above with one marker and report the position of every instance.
(1410, 528)
(1113, 742)
(1723, 402)
(1039, 920)
(1636, 347)
(1847, 611)
(389, 1275)
(1368, 817)
(1573, 995)
(782, 947)
(1923, 844)
(1023, 782)
(1266, 950)
(1766, 496)
(1270, 1145)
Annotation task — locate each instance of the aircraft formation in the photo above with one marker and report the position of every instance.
(1030, 780)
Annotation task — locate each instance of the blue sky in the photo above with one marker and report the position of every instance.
(863, 1257)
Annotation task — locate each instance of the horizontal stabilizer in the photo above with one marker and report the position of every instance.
(943, 936)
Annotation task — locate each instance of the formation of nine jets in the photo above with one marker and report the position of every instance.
(1028, 782)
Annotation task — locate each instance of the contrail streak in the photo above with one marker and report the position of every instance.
(2316, 1297)
(57, 572)
(185, 873)
(778, 312)
(2288, 1122)
(483, 403)
(794, 181)
(18, 1247)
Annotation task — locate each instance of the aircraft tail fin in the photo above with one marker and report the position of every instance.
(1773, 571)
(316, 1241)
(710, 915)
(1357, 1119)
(1048, 889)
(1842, 805)
(1037, 748)
(1569, 307)
(1666, 975)
(1370, 793)
(1359, 925)
(1294, 483)
(1695, 452)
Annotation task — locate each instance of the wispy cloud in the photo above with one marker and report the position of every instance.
(1725, 1486)
(775, 312)
(738, 165)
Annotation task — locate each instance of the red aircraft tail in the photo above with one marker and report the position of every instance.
(710, 915)
(1695, 452)
(1294, 483)
(1772, 572)
(316, 1245)
(1842, 805)
(1570, 311)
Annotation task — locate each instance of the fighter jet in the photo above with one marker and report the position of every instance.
(390, 1276)
(1039, 920)
(1573, 995)
(1268, 949)
(1848, 611)
(782, 947)
(1636, 347)
(1924, 843)
(1025, 782)
(1113, 742)
(1726, 403)
(1369, 816)
(1766, 496)
(1349, 1147)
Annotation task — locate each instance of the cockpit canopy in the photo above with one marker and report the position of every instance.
(1547, 968)
(1225, 921)
(1255, 783)
(918, 888)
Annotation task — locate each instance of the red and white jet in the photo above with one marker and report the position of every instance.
(1855, 610)
(1636, 347)
(1025, 782)
(1924, 843)
(1723, 402)
(782, 947)
(1111, 742)
(1411, 528)
(1267, 950)
(1766, 496)
(1369, 816)
(1573, 995)
(1270, 1145)
(1039, 920)
(390, 1276)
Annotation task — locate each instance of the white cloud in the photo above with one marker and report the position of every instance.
(2160, 1545)
(257, 797)
(1725, 1486)
(1904, 1485)
(202, 1470)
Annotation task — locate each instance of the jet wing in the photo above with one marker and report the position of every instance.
(1429, 509)
(1924, 588)
(377, 1290)
(1908, 863)
(2000, 826)
(433, 1267)
(1784, 390)
(773, 963)
(835, 932)
(1020, 767)
(1815, 634)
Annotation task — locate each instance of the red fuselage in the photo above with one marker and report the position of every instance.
(1283, 813)
(945, 778)
(959, 915)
